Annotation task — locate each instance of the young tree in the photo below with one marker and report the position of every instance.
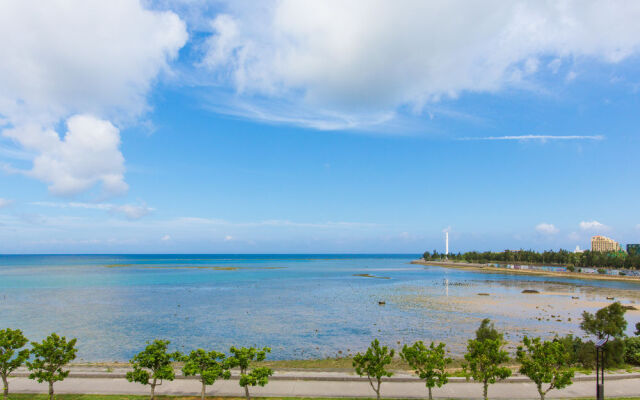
(153, 364)
(209, 366)
(372, 364)
(545, 362)
(10, 358)
(242, 358)
(49, 357)
(428, 362)
(608, 322)
(487, 331)
(637, 332)
(484, 356)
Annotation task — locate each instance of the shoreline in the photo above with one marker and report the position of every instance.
(495, 270)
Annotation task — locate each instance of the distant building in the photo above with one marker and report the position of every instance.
(578, 250)
(603, 243)
(633, 249)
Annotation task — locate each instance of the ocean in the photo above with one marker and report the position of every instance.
(302, 306)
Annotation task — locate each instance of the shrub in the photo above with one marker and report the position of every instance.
(632, 350)
(571, 268)
(602, 271)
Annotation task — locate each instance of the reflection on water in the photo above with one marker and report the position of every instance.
(302, 306)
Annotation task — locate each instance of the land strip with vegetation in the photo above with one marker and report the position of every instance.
(585, 259)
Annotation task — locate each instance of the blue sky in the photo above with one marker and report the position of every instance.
(317, 127)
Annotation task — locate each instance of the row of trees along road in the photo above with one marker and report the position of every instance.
(586, 259)
(549, 364)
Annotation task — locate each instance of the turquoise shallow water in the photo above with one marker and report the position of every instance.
(303, 306)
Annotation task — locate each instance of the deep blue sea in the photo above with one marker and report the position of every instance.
(302, 306)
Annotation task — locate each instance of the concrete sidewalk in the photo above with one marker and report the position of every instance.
(326, 384)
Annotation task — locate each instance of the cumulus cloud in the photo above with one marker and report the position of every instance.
(592, 225)
(88, 153)
(356, 61)
(89, 63)
(545, 228)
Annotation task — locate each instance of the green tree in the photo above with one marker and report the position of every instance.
(242, 358)
(484, 356)
(207, 365)
(637, 332)
(50, 357)
(608, 323)
(545, 362)
(372, 364)
(428, 362)
(10, 358)
(153, 364)
(487, 331)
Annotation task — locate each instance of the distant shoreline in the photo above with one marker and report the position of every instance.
(495, 270)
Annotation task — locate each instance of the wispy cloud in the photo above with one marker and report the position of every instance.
(129, 211)
(541, 138)
(5, 202)
(278, 223)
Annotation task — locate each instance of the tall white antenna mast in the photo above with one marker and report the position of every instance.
(446, 251)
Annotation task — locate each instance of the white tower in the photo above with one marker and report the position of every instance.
(446, 249)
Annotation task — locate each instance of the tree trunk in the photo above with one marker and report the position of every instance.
(246, 392)
(153, 389)
(50, 390)
(485, 389)
(204, 388)
(430, 396)
(541, 392)
(5, 387)
(378, 391)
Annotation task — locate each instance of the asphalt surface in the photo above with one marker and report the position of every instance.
(327, 384)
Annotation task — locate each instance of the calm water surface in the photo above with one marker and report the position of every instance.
(303, 306)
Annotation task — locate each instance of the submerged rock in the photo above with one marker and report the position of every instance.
(483, 294)
(530, 291)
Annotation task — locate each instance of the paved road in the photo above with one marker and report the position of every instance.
(332, 386)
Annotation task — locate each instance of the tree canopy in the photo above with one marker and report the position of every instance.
(11, 357)
(429, 363)
(373, 363)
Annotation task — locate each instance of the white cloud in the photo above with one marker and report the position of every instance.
(129, 211)
(351, 61)
(89, 62)
(5, 202)
(228, 238)
(542, 138)
(165, 238)
(592, 225)
(545, 228)
(88, 153)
